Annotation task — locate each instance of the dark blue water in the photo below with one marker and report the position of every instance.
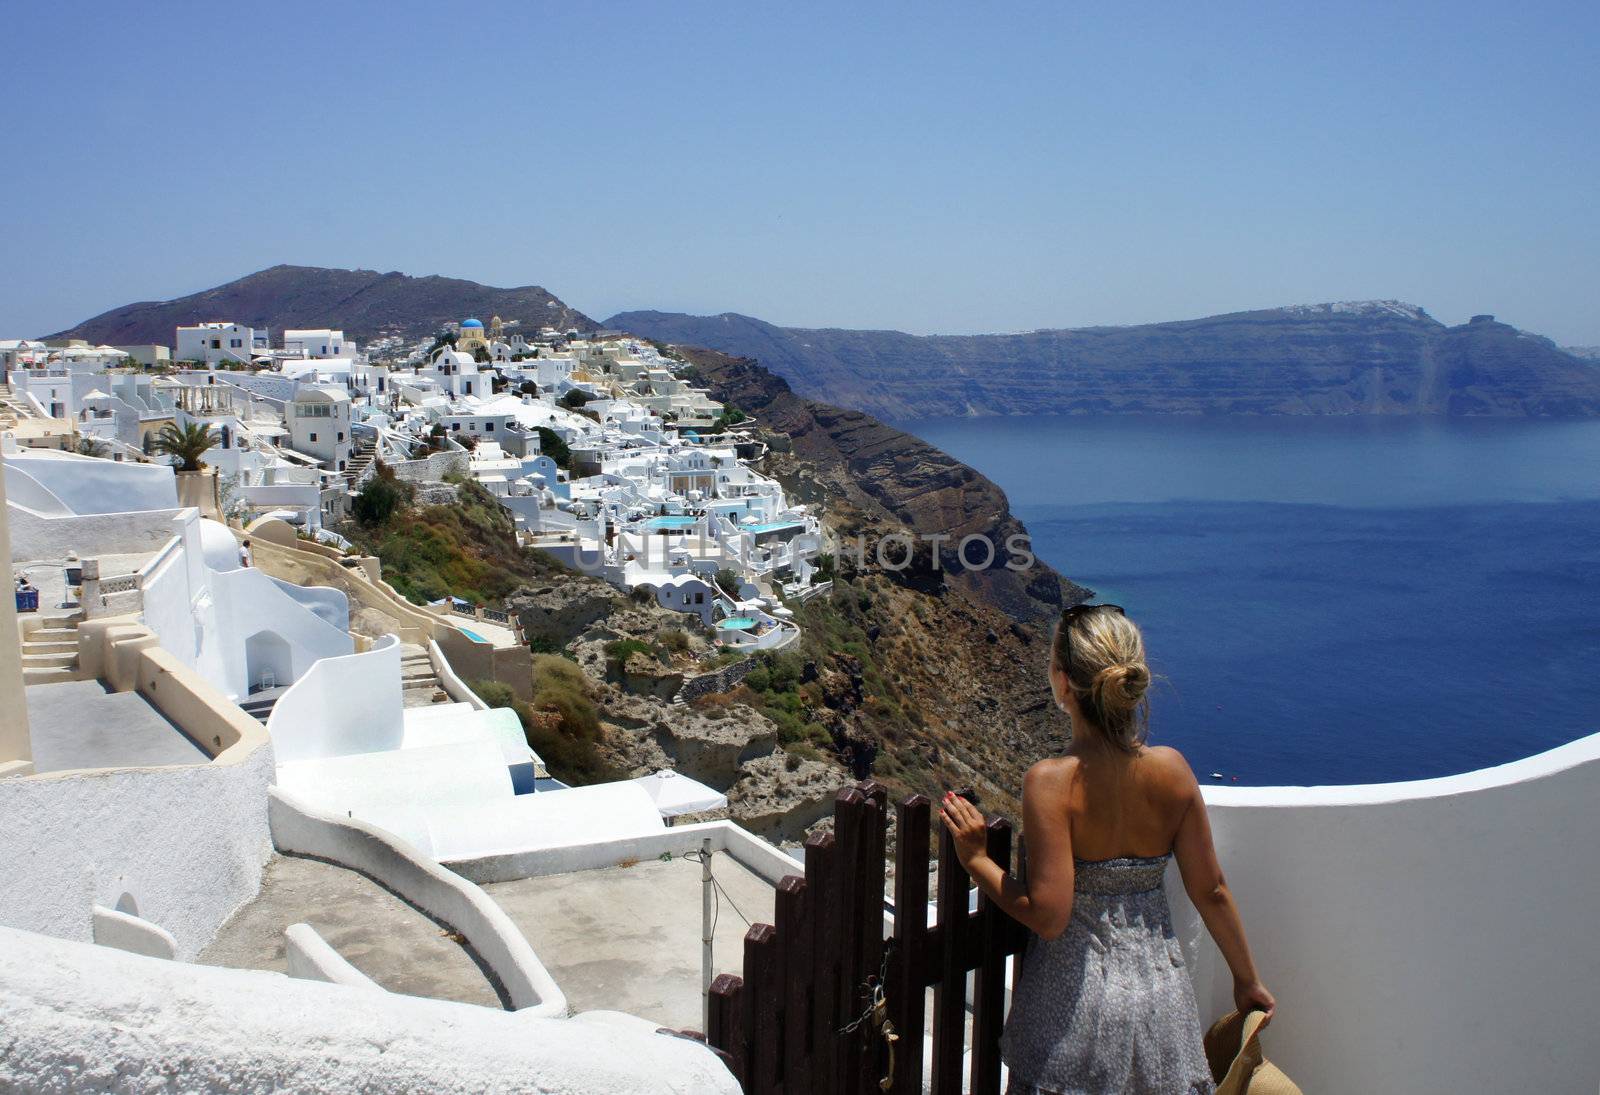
(1329, 600)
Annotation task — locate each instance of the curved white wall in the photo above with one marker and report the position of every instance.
(86, 485)
(341, 705)
(81, 1018)
(1430, 937)
(248, 602)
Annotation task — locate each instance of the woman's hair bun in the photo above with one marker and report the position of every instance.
(1120, 687)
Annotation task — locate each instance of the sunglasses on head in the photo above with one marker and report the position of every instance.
(1070, 616)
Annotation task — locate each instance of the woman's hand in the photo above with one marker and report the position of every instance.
(1253, 996)
(967, 826)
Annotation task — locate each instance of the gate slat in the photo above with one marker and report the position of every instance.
(762, 985)
(908, 971)
(850, 830)
(821, 887)
(794, 939)
(949, 995)
(726, 1022)
(989, 987)
(872, 1060)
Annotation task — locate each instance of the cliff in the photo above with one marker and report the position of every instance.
(928, 678)
(1373, 357)
(363, 303)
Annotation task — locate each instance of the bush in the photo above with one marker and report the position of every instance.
(569, 749)
(551, 445)
(380, 498)
(620, 650)
(674, 639)
(575, 398)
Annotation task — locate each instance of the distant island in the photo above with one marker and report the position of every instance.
(1367, 357)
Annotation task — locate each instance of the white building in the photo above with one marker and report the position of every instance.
(215, 343)
(319, 425)
(318, 342)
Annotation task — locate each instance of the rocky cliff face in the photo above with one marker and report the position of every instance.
(926, 678)
(364, 303)
(874, 480)
(1373, 357)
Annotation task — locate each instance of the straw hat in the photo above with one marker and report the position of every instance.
(1238, 1065)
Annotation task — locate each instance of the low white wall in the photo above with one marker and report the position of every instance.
(1427, 937)
(133, 934)
(726, 836)
(86, 485)
(41, 536)
(343, 705)
(454, 686)
(310, 958)
(83, 1018)
(187, 843)
(443, 894)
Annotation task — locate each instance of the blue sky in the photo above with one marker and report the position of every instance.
(961, 167)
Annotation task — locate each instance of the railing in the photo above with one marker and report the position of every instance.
(825, 1005)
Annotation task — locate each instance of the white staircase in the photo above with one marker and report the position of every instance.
(50, 651)
(418, 683)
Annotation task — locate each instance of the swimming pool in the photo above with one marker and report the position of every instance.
(473, 635)
(660, 523)
(737, 623)
(773, 526)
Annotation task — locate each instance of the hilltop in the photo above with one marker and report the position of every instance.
(366, 304)
(1366, 357)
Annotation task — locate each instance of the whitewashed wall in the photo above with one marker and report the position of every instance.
(1427, 937)
(86, 485)
(342, 705)
(81, 1018)
(187, 843)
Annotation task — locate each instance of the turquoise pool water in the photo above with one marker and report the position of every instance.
(737, 623)
(473, 635)
(658, 523)
(773, 526)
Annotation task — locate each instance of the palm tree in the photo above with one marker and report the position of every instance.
(89, 446)
(188, 443)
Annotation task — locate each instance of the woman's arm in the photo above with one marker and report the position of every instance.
(1044, 905)
(1208, 889)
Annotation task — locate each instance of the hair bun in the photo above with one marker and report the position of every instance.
(1120, 687)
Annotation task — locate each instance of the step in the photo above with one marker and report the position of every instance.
(49, 646)
(50, 676)
(50, 661)
(60, 623)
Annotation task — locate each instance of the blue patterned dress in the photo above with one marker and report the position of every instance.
(1107, 1006)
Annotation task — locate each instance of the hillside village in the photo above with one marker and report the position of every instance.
(196, 607)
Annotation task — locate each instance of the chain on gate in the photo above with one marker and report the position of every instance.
(877, 1013)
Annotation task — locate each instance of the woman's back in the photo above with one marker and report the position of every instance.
(1106, 1005)
(1122, 804)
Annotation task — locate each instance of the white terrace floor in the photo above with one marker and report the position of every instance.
(390, 941)
(79, 724)
(628, 938)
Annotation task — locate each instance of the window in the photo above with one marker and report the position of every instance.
(456, 426)
(216, 344)
(488, 427)
(341, 435)
(313, 410)
(313, 438)
(235, 343)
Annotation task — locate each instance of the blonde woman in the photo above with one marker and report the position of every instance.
(1103, 1003)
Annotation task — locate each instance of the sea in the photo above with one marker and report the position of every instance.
(1328, 600)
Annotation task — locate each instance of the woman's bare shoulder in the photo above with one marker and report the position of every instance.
(1170, 765)
(1050, 774)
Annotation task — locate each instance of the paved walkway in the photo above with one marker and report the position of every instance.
(375, 931)
(628, 938)
(81, 724)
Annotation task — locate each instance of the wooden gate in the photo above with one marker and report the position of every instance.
(823, 992)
